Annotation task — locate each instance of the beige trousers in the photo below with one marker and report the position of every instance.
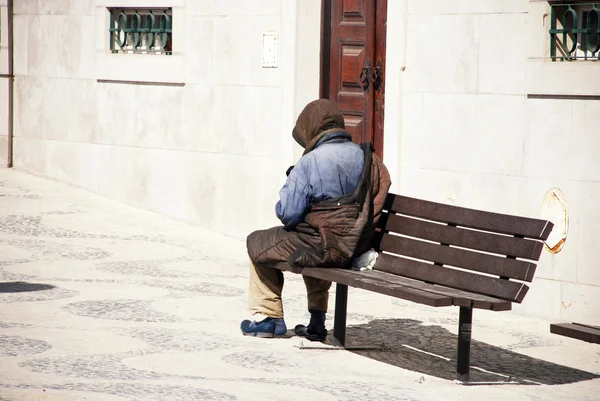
(266, 284)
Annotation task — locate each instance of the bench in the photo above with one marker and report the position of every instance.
(578, 331)
(443, 255)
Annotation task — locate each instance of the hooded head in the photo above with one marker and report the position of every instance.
(317, 118)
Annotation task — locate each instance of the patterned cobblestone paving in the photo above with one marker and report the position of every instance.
(101, 301)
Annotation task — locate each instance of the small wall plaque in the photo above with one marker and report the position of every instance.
(269, 49)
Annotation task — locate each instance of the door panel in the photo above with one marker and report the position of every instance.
(355, 40)
(351, 47)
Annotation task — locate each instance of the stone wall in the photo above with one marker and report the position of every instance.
(212, 152)
(470, 135)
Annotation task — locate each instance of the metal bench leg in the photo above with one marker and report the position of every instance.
(339, 323)
(463, 358)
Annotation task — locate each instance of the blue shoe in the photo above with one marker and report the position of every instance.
(266, 328)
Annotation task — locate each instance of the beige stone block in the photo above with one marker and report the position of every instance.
(550, 149)
(21, 44)
(83, 7)
(585, 141)
(3, 106)
(167, 183)
(538, 25)
(117, 118)
(238, 51)
(130, 170)
(413, 140)
(140, 67)
(202, 187)
(588, 207)
(3, 150)
(4, 60)
(495, 138)
(437, 7)
(502, 63)
(31, 154)
(56, 108)
(307, 53)
(588, 270)
(29, 105)
(268, 140)
(251, 123)
(443, 53)
(543, 299)
(144, 3)
(447, 187)
(199, 114)
(43, 42)
(498, 193)
(477, 133)
(236, 131)
(4, 26)
(76, 55)
(170, 114)
(556, 78)
(54, 7)
(27, 7)
(580, 303)
(101, 28)
(180, 27)
(247, 186)
(83, 114)
(201, 50)
(446, 121)
(221, 8)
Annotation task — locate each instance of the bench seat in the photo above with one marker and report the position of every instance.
(578, 331)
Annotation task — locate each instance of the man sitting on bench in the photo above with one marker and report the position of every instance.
(329, 205)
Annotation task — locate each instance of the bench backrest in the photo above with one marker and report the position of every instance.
(482, 252)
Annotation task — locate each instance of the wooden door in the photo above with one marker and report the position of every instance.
(353, 64)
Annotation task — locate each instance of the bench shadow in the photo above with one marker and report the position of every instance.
(394, 337)
(21, 286)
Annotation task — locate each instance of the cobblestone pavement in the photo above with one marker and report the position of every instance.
(101, 301)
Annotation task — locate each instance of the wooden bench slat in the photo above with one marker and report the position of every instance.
(461, 280)
(364, 281)
(460, 298)
(480, 262)
(577, 331)
(477, 219)
(589, 326)
(478, 240)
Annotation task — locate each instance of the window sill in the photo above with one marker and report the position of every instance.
(140, 67)
(576, 78)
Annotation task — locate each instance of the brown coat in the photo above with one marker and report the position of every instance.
(335, 230)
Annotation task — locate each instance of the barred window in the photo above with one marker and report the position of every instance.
(574, 31)
(141, 31)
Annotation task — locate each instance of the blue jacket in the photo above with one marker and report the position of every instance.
(330, 170)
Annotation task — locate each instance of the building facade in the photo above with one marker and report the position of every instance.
(477, 112)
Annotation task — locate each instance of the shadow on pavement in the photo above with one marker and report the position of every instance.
(21, 286)
(393, 337)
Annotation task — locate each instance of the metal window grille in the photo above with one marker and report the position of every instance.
(141, 31)
(574, 31)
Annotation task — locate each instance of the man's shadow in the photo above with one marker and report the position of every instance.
(431, 350)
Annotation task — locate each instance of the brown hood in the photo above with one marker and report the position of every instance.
(318, 118)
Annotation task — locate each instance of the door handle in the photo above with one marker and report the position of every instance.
(365, 75)
(377, 76)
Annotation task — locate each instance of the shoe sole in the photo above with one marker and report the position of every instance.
(259, 335)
